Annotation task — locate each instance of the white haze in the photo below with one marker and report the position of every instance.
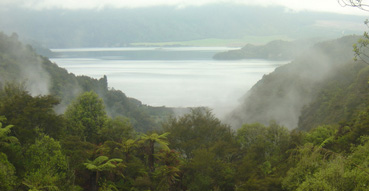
(281, 95)
(332, 6)
(37, 80)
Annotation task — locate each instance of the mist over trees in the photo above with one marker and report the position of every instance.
(282, 94)
(302, 127)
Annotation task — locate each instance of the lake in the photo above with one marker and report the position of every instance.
(173, 77)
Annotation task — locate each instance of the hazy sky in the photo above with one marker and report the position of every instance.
(290, 5)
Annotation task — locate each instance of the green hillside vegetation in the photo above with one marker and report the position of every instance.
(282, 94)
(341, 98)
(88, 146)
(19, 63)
(274, 50)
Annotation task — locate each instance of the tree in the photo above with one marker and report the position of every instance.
(168, 171)
(7, 173)
(199, 128)
(361, 4)
(5, 139)
(206, 171)
(128, 147)
(7, 170)
(117, 129)
(29, 114)
(46, 165)
(86, 116)
(361, 48)
(151, 140)
(101, 163)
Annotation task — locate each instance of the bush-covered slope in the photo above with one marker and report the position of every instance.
(20, 63)
(282, 94)
(274, 50)
(340, 98)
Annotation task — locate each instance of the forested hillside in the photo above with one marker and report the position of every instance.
(341, 97)
(83, 148)
(274, 50)
(282, 94)
(20, 64)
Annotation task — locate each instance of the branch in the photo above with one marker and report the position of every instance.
(354, 3)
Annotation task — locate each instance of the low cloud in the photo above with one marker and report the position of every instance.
(290, 5)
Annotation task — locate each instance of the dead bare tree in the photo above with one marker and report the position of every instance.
(361, 4)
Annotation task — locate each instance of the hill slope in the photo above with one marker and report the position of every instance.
(274, 50)
(340, 98)
(282, 94)
(19, 63)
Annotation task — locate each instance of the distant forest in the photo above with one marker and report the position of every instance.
(124, 27)
(274, 50)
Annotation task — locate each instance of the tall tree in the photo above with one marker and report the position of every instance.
(5, 138)
(47, 167)
(7, 173)
(151, 140)
(7, 170)
(101, 163)
(199, 128)
(86, 116)
(29, 114)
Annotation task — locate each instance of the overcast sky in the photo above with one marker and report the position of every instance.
(290, 5)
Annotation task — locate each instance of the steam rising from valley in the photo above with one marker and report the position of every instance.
(30, 67)
(281, 95)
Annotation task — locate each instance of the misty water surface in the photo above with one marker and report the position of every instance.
(176, 77)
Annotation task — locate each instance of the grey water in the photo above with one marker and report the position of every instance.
(172, 77)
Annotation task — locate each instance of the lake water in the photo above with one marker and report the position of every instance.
(174, 77)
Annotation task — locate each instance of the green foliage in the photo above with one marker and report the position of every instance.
(28, 114)
(195, 151)
(198, 129)
(86, 116)
(102, 163)
(19, 64)
(361, 47)
(7, 174)
(263, 151)
(321, 135)
(116, 129)
(156, 138)
(205, 171)
(4, 133)
(166, 175)
(149, 141)
(47, 166)
(282, 94)
(340, 98)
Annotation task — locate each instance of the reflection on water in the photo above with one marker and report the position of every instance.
(177, 83)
